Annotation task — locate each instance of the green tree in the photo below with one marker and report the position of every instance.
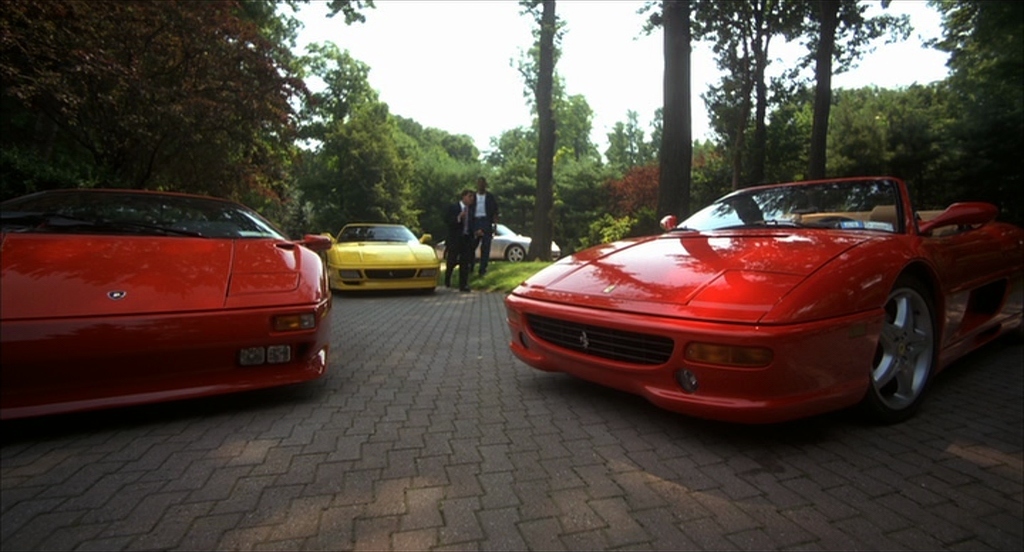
(986, 45)
(711, 172)
(346, 86)
(789, 125)
(902, 132)
(442, 165)
(658, 133)
(581, 198)
(513, 165)
(352, 10)
(626, 145)
(360, 168)
(839, 34)
(188, 96)
(741, 34)
(919, 119)
(511, 146)
(363, 174)
(859, 127)
(575, 121)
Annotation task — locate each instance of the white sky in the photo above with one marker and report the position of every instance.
(448, 63)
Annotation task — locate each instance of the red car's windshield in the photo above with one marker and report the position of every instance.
(93, 212)
(843, 204)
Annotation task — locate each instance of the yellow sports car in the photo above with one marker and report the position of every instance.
(370, 256)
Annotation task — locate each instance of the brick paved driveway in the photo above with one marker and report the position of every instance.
(427, 434)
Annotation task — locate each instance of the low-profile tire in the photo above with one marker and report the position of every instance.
(515, 253)
(905, 356)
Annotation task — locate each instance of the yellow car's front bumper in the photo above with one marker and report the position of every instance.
(383, 278)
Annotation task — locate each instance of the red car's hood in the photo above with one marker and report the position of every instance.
(730, 276)
(50, 275)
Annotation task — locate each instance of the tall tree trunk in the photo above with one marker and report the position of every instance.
(676, 156)
(829, 16)
(760, 46)
(739, 142)
(543, 228)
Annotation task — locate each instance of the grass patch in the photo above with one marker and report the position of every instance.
(501, 276)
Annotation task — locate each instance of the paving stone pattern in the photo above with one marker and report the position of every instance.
(427, 434)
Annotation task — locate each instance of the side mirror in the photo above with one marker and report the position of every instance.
(317, 242)
(668, 222)
(425, 238)
(957, 214)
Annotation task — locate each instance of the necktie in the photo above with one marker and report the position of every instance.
(465, 219)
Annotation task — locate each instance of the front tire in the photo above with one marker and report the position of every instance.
(515, 253)
(905, 357)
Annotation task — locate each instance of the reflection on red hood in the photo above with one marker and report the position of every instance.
(60, 275)
(735, 276)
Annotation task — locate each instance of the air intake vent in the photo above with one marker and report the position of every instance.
(390, 274)
(634, 348)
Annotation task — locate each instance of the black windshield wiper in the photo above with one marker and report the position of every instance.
(144, 228)
(29, 221)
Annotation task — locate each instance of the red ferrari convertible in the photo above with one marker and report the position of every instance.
(780, 302)
(113, 298)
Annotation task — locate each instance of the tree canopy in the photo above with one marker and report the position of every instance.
(211, 97)
(173, 95)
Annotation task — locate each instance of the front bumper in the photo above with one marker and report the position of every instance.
(90, 363)
(816, 367)
(383, 278)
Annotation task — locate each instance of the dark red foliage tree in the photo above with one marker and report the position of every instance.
(637, 190)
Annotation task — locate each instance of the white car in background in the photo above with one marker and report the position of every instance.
(507, 245)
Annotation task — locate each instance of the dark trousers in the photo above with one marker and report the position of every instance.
(482, 224)
(460, 253)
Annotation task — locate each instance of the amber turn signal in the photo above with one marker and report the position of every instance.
(729, 355)
(294, 322)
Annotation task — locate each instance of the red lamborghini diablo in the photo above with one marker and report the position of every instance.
(780, 302)
(112, 298)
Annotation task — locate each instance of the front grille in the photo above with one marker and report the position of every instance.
(397, 274)
(635, 348)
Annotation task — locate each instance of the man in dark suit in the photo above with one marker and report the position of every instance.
(484, 218)
(461, 244)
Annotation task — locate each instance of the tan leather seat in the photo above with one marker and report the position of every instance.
(885, 213)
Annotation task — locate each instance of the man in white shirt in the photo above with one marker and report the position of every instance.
(485, 216)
